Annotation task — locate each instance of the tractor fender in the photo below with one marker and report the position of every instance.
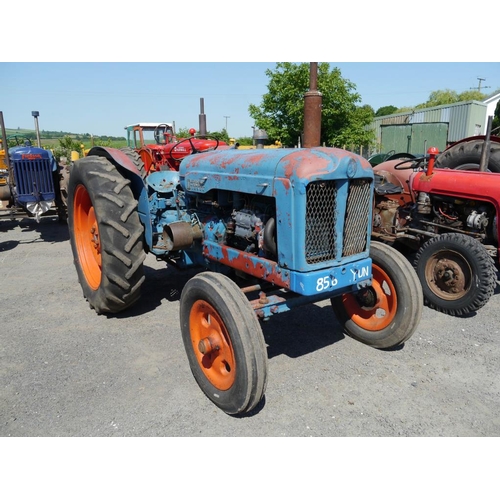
(129, 170)
(116, 156)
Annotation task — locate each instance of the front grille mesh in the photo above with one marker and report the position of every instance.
(33, 180)
(321, 218)
(357, 218)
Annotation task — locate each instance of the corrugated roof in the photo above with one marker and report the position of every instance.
(148, 125)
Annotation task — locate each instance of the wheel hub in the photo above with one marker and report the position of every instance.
(367, 297)
(208, 344)
(448, 276)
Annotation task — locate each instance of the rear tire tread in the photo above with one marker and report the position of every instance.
(120, 232)
(469, 153)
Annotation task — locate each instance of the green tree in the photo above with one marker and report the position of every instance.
(222, 135)
(245, 141)
(495, 124)
(438, 98)
(183, 133)
(281, 112)
(471, 95)
(104, 142)
(386, 110)
(356, 135)
(66, 145)
(447, 96)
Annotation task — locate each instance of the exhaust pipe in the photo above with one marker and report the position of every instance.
(203, 119)
(485, 152)
(312, 110)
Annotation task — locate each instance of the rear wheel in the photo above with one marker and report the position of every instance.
(106, 235)
(224, 342)
(458, 275)
(467, 156)
(136, 159)
(386, 313)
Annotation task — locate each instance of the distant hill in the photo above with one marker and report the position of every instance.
(50, 139)
(48, 134)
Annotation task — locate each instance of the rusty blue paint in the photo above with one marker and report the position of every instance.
(248, 170)
(164, 181)
(335, 279)
(282, 174)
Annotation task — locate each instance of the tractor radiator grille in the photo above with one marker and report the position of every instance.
(321, 219)
(33, 180)
(357, 217)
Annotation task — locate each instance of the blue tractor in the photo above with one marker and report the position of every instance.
(269, 229)
(29, 179)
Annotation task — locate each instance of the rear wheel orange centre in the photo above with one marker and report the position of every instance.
(373, 308)
(212, 345)
(87, 239)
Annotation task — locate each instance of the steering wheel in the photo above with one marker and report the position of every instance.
(414, 163)
(193, 148)
(21, 140)
(156, 132)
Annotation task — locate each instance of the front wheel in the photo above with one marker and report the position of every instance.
(458, 275)
(386, 313)
(224, 342)
(106, 235)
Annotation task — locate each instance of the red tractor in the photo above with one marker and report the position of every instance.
(443, 210)
(159, 149)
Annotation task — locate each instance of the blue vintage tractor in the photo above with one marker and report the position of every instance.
(29, 180)
(290, 226)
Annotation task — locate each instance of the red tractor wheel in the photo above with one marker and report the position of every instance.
(106, 235)
(458, 275)
(387, 313)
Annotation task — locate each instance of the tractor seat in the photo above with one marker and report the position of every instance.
(383, 187)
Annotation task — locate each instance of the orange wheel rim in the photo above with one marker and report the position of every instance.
(379, 311)
(88, 243)
(212, 345)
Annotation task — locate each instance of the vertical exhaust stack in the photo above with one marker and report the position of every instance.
(203, 119)
(35, 115)
(312, 110)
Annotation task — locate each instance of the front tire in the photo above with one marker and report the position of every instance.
(458, 275)
(106, 235)
(224, 342)
(387, 313)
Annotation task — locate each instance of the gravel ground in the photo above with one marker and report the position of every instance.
(66, 371)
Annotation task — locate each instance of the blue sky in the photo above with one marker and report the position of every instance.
(76, 69)
(102, 98)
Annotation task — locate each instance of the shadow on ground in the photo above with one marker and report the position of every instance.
(49, 229)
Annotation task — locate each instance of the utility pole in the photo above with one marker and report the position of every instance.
(479, 86)
(226, 117)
